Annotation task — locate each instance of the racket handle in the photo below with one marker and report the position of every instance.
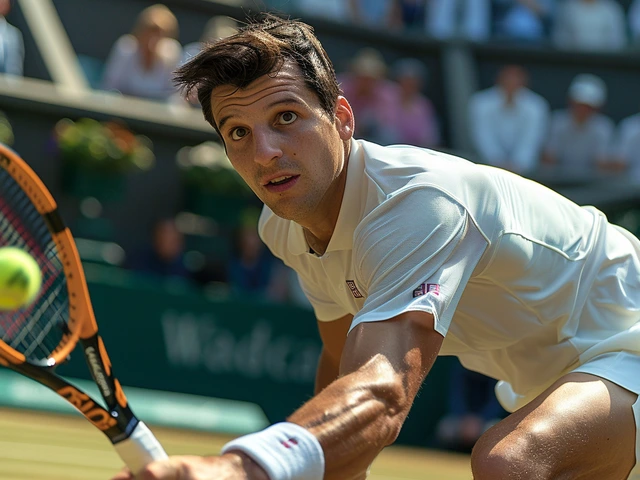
(140, 449)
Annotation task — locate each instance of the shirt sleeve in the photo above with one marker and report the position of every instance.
(416, 252)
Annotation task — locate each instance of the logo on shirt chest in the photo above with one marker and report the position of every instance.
(354, 290)
(425, 288)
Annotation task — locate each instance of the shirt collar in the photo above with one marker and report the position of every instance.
(350, 209)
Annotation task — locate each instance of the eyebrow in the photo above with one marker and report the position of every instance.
(283, 101)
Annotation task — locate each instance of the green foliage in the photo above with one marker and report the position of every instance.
(107, 147)
(206, 168)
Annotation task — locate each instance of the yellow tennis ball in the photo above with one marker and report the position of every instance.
(20, 278)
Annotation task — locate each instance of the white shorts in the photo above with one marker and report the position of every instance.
(623, 369)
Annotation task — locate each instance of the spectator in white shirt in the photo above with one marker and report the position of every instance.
(594, 25)
(626, 152)
(508, 122)
(142, 63)
(580, 136)
(11, 44)
(468, 19)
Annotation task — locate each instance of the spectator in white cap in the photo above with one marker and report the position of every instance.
(580, 136)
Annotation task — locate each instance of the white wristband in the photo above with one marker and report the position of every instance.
(285, 451)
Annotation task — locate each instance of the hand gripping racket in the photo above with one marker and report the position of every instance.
(37, 338)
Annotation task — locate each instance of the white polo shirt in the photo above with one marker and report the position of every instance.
(524, 284)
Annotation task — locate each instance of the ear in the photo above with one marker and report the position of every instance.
(345, 121)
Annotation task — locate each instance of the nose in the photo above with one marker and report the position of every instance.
(267, 146)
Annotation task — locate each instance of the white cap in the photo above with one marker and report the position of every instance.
(589, 90)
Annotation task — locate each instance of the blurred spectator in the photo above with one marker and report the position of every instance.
(11, 43)
(416, 122)
(468, 19)
(375, 13)
(164, 256)
(334, 10)
(372, 96)
(509, 122)
(526, 20)
(216, 28)
(141, 63)
(472, 409)
(634, 21)
(626, 155)
(412, 14)
(580, 136)
(251, 268)
(590, 25)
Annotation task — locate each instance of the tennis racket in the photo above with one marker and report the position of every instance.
(36, 339)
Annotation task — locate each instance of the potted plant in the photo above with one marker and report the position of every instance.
(97, 156)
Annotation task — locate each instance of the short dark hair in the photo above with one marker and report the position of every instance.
(260, 48)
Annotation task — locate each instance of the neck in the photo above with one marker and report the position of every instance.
(319, 228)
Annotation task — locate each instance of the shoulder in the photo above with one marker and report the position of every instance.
(534, 99)
(125, 47)
(411, 217)
(603, 121)
(630, 123)
(485, 97)
(394, 172)
(14, 31)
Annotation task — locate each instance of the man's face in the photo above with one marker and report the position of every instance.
(284, 145)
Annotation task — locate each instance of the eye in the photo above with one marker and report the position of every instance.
(238, 133)
(287, 117)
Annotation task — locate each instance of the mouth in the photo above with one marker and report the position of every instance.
(281, 183)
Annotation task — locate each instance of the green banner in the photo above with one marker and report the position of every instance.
(164, 336)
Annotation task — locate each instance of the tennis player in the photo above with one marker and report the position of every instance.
(407, 254)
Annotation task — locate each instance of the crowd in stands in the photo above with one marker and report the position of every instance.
(389, 100)
(509, 125)
(571, 24)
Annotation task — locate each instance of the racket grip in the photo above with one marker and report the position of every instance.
(140, 449)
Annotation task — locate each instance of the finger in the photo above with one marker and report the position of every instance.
(123, 474)
(163, 470)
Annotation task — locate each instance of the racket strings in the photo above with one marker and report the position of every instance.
(34, 331)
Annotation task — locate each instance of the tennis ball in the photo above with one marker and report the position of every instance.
(20, 278)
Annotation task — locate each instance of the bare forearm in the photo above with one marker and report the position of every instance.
(355, 417)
